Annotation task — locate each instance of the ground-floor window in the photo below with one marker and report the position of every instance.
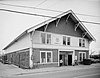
(45, 56)
(82, 55)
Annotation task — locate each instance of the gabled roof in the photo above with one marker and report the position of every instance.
(74, 17)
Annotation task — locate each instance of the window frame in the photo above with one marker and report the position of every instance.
(64, 40)
(82, 56)
(69, 41)
(82, 42)
(46, 38)
(46, 57)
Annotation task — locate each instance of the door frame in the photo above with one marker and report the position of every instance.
(73, 55)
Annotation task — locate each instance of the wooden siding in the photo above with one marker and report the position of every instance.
(22, 43)
(36, 57)
(19, 58)
(77, 53)
(74, 42)
(65, 28)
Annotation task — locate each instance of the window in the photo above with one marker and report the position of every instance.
(48, 38)
(45, 56)
(64, 40)
(82, 55)
(43, 37)
(48, 56)
(81, 42)
(68, 41)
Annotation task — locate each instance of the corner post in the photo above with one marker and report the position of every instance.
(73, 58)
(31, 49)
(58, 58)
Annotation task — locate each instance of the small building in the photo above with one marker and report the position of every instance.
(44, 45)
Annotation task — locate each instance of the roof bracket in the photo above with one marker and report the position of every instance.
(84, 34)
(67, 17)
(46, 27)
(76, 26)
(58, 22)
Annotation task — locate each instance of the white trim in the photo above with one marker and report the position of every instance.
(72, 53)
(76, 26)
(82, 55)
(58, 22)
(46, 57)
(58, 59)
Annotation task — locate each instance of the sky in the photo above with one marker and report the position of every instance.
(13, 24)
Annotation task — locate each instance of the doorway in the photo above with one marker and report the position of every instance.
(62, 57)
(69, 59)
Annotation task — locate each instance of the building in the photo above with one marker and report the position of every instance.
(46, 44)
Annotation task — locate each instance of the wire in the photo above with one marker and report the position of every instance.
(46, 9)
(41, 3)
(87, 15)
(30, 7)
(26, 13)
(41, 15)
(90, 22)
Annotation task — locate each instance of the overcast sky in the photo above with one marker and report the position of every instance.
(13, 24)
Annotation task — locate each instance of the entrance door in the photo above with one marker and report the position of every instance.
(69, 59)
(62, 57)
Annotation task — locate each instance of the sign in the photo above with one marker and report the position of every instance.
(57, 39)
(75, 57)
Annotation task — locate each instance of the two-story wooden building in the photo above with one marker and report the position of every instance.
(44, 45)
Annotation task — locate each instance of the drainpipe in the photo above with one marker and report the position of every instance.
(31, 49)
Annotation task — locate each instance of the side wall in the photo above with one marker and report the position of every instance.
(20, 44)
(36, 57)
(77, 53)
(19, 58)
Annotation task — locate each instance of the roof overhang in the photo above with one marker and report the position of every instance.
(74, 17)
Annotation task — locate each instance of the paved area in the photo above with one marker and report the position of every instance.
(11, 70)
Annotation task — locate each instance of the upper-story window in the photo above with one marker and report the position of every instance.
(43, 38)
(82, 42)
(68, 40)
(46, 38)
(64, 40)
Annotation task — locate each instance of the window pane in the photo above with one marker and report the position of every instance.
(83, 55)
(80, 56)
(64, 40)
(83, 43)
(68, 41)
(48, 38)
(80, 42)
(43, 58)
(43, 37)
(48, 57)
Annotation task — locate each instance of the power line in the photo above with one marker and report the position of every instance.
(26, 13)
(90, 22)
(41, 3)
(45, 9)
(42, 15)
(87, 15)
(30, 7)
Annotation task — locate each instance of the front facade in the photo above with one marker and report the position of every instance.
(45, 45)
